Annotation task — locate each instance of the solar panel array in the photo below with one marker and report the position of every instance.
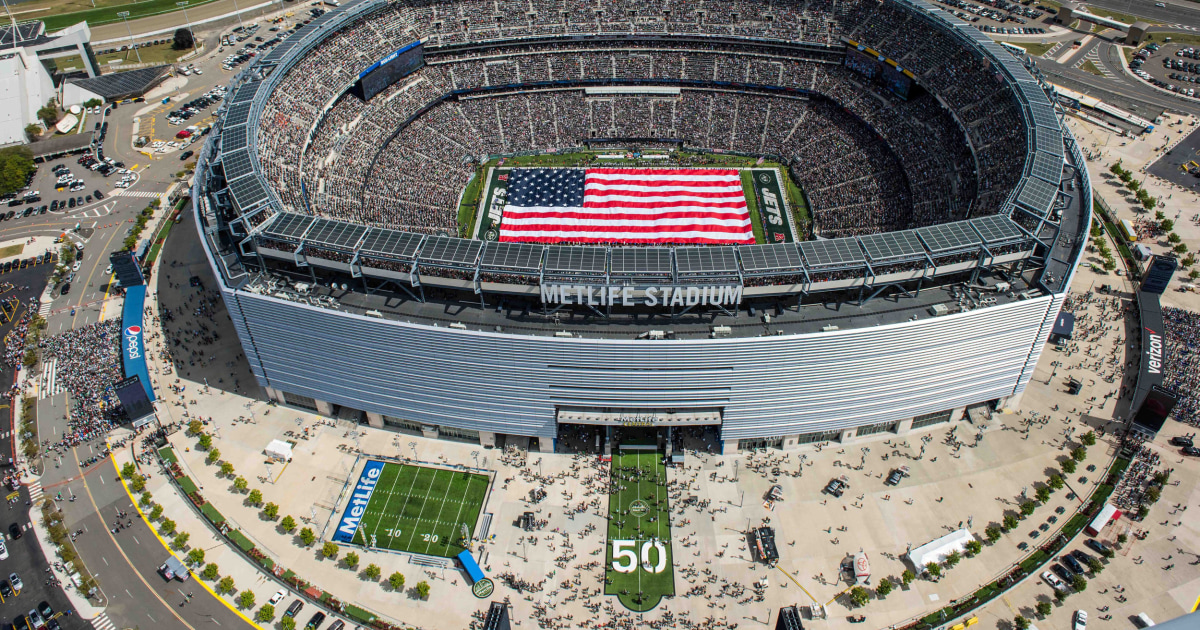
(337, 234)
(761, 258)
(247, 192)
(233, 138)
(706, 260)
(1037, 195)
(1047, 167)
(522, 256)
(392, 243)
(288, 226)
(238, 114)
(633, 261)
(949, 236)
(997, 228)
(1043, 115)
(246, 92)
(446, 250)
(1048, 141)
(237, 164)
(892, 245)
(575, 259)
(832, 252)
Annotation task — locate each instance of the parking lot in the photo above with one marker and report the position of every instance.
(1174, 67)
(1001, 16)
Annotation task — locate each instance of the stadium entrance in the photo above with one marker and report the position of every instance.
(599, 429)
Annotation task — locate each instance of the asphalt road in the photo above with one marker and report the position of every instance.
(1176, 12)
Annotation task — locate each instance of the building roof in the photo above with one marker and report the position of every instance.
(27, 34)
(58, 144)
(120, 85)
(937, 550)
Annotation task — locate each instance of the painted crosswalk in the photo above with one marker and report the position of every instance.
(35, 491)
(1093, 56)
(138, 193)
(48, 384)
(44, 309)
(1183, 27)
(102, 622)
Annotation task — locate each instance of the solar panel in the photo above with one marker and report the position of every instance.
(1048, 140)
(776, 257)
(997, 228)
(246, 92)
(446, 250)
(948, 236)
(829, 252)
(1037, 195)
(706, 260)
(233, 138)
(121, 84)
(287, 225)
(391, 243)
(892, 245)
(335, 233)
(1043, 115)
(1047, 167)
(521, 256)
(572, 259)
(247, 191)
(631, 261)
(238, 114)
(237, 164)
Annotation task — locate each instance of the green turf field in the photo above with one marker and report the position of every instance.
(638, 571)
(421, 510)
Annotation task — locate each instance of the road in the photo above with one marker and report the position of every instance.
(1177, 12)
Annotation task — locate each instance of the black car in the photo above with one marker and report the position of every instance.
(895, 477)
(89, 199)
(1181, 440)
(98, 194)
(6, 588)
(45, 610)
(315, 622)
(66, 288)
(1062, 572)
(1072, 563)
(186, 154)
(294, 609)
(54, 205)
(71, 202)
(338, 625)
(52, 624)
(10, 214)
(1191, 451)
(15, 530)
(1081, 556)
(836, 487)
(7, 267)
(79, 201)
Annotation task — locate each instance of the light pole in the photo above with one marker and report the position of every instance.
(183, 5)
(239, 14)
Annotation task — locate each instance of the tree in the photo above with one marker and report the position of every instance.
(167, 527)
(138, 483)
(212, 457)
(1068, 466)
(1148, 202)
(271, 511)
(1174, 238)
(1088, 439)
(934, 569)
(1044, 609)
(907, 577)
(992, 532)
(422, 589)
(372, 572)
(205, 442)
(265, 614)
(1094, 564)
(32, 131)
(1079, 453)
(1010, 522)
(1021, 623)
(1143, 511)
(287, 623)
(255, 497)
(225, 585)
(397, 581)
(226, 469)
(351, 560)
(953, 558)
(1115, 169)
(196, 556)
(156, 512)
(48, 114)
(128, 470)
(329, 550)
(1027, 508)
(145, 500)
(1108, 552)
(974, 547)
(181, 540)
(884, 587)
(1122, 538)
(1154, 494)
(1042, 494)
(288, 524)
(1167, 225)
(1180, 248)
(195, 427)
(307, 536)
(241, 484)
(210, 571)
(183, 40)
(246, 599)
(1079, 583)
(858, 595)
(1055, 482)
(1161, 477)
(1059, 595)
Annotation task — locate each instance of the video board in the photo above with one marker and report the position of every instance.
(866, 62)
(383, 73)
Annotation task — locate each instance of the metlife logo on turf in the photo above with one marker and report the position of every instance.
(133, 343)
(359, 498)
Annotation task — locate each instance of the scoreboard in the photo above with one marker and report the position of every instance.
(874, 66)
(383, 73)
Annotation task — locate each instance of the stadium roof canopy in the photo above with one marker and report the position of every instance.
(521, 257)
(392, 243)
(450, 251)
(949, 237)
(997, 229)
(770, 258)
(706, 260)
(892, 246)
(336, 234)
(636, 261)
(567, 259)
(288, 226)
(835, 252)
(237, 164)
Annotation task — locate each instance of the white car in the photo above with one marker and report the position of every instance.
(1080, 620)
(3, 551)
(76, 266)
(277, 597)
(108, 269)
(1054, 581)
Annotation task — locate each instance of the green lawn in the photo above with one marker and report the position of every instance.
(642, 489)
(158, 53)
(752, 204)
(1034, 50)
(422, 510)
(1089, 66)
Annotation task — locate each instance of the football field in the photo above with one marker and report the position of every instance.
(422, 510)
(639, 564)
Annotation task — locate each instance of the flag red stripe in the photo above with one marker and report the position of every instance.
(707, 172)
(667, 239)
(568, 213)
(734, 205)
(559, 227)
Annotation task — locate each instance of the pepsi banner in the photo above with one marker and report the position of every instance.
(359, 498)
(133, 346)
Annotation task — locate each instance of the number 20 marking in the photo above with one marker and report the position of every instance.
(625, 560)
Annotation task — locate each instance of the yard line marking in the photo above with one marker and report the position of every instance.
(435, 472)
(407, 495)
(385, 504)
(466, 492)
(438, 520)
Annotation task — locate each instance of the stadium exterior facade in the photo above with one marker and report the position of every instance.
(883, 370)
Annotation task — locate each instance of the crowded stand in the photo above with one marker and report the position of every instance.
(868, 160)
(1183, 370)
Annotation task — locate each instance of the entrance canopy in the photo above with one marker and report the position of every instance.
(639, 417)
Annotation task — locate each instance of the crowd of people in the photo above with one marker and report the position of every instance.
(1183, 369)
(401, 159)
(88, 364)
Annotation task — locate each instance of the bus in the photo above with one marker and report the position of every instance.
(1127, 230)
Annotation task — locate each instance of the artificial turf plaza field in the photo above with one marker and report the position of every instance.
(639, 568)
(420, 510)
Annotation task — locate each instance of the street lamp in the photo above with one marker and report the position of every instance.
(239, 14)
(183, 5)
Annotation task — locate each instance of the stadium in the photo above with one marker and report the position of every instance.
(907, 213)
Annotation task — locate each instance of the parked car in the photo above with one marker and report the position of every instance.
(1054, 582)
(294, 609)
(18, 585)
(277, 597)
(15, 531)
(1073, 564)
(1080, 621)
(314, 623)
(1062, 572)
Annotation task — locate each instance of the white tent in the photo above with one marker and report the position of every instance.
(937, 550)
(280, 450)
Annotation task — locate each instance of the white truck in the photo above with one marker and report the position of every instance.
(173, 569)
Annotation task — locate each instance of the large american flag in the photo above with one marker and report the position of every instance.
(626, 205)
